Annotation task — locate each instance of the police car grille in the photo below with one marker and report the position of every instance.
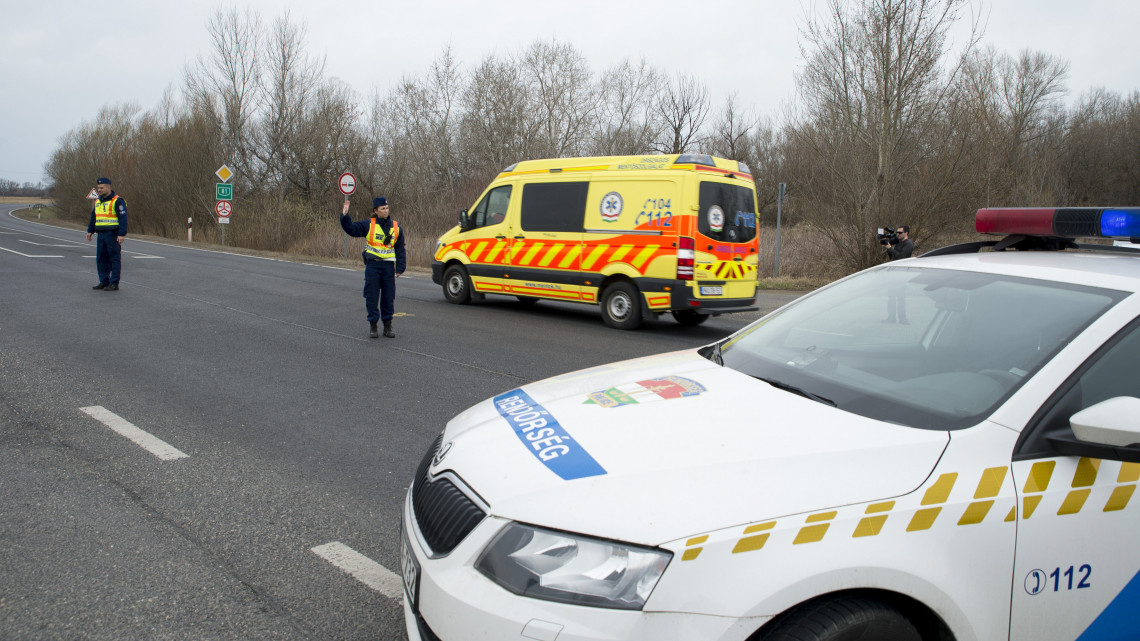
(444, 514)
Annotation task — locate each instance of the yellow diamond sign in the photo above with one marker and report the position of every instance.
(224, 173)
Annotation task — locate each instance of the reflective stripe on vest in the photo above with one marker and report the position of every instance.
(376, 245)
(105, 215)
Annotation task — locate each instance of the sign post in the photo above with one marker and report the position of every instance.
(347, 184)
(779, 206)
(223, 194)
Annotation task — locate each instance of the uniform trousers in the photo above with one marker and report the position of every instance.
(108, 257)
(380, 286)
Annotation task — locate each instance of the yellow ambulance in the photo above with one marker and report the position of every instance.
(637, 235)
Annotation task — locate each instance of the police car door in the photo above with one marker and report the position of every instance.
(1077, 568)
(546, 249)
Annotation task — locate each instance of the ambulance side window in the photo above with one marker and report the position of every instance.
(492, 210)
(558, 207)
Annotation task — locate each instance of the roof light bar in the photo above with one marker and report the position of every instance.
(1066, 222)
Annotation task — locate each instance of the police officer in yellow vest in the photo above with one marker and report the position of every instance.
(384, 260)
(109, 223)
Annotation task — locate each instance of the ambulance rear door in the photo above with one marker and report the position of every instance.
(546, 240)
(726, 240)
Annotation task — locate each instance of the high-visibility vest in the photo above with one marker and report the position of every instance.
(105, 215)
(376, 241)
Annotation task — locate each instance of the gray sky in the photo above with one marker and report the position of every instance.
(65, 59)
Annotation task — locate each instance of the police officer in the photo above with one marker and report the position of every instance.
(384, 261)
(109, 223)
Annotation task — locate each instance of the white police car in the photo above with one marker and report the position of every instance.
(939, 448)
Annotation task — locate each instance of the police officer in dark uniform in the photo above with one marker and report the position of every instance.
(384, 261)
(109, 224)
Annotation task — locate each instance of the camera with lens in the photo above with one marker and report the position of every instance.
(887, 236)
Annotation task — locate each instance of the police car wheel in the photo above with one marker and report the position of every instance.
(689, 318)
(842, 619)
(621, 308)
(456, 285)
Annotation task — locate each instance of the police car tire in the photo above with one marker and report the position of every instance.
(456, 285)
(689, 318)
(843, 619)
(621, 306)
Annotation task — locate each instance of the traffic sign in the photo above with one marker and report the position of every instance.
(225, 173)
(224, 191)
(224, 221)
(347, 184)
(224, 208)
(92, 195)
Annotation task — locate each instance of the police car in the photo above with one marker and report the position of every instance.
(938, 448)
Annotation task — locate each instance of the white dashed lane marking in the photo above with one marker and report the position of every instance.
(364, 569)
(148, 442)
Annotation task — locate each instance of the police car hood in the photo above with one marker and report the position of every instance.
(658, 448)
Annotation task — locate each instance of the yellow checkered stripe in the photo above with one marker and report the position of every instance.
(562, 255)
(726, 270)
(930, 511)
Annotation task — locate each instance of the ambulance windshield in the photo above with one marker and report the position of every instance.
(929, 348)
(727, 213)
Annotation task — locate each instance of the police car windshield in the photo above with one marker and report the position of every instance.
(929, 348)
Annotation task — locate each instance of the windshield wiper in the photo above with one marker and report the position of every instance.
(796, 390)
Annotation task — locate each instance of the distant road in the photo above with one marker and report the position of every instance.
(219, 451)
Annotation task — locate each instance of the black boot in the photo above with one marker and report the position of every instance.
(388, 330)
(372, 331)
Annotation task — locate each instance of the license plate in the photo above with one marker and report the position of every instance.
(712, 291)
(411, 572)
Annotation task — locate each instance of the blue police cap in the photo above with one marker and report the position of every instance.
(103, 181)
(379, 202)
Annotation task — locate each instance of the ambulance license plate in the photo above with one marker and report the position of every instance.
(712, 291)
(411, 572)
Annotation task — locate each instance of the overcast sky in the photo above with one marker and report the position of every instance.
(63, 60)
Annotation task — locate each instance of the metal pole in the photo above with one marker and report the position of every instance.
(779, 207)
(223, 235)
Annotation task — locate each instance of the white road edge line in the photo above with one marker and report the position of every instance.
(362, 568)
(148, 442)
(28, 255)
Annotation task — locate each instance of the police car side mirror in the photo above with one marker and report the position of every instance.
(1114, 422)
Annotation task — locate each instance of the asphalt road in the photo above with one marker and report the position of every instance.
(285, 437)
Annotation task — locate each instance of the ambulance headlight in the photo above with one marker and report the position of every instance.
(569, 568)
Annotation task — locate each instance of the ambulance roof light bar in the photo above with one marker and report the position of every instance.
(1065, 222)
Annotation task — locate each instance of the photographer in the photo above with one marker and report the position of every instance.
(900, 246)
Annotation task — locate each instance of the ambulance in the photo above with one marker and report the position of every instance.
(965, 471)
(637, 235)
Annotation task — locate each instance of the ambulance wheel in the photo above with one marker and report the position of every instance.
(621, 307)
(842, 619)
(527, 300)
(689, 318)
(456, 285)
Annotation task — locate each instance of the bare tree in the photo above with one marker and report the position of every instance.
(872, 91)
(627, 121)
(730, 132)
(564, 96)
(683, 109)
(226, 86)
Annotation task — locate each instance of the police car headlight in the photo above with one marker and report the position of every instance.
(568, 568)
